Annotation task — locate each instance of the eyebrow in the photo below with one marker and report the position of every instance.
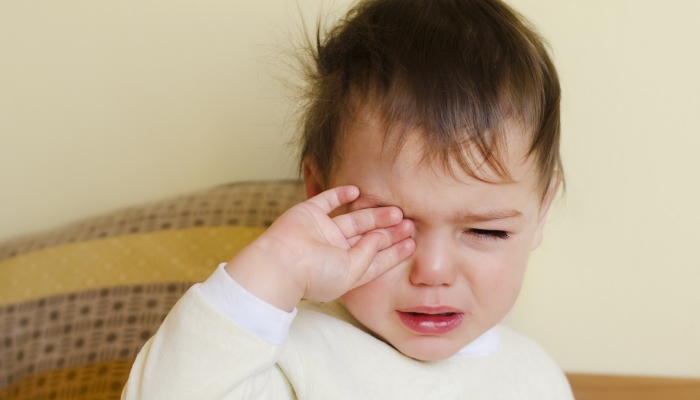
(368, 200)
(491, 215)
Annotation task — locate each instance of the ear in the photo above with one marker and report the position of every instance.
(544, 209)
(312, 178)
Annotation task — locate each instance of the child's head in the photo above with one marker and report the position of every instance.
(448, 109)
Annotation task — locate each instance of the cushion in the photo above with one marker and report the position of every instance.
(78, 303)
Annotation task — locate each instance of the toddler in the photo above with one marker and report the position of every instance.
(430, 155)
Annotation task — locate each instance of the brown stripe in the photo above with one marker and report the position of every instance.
(617, 387)
(254, 204)
(103, 381)
(70, 330)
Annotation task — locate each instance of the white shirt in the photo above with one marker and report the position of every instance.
(272, 324)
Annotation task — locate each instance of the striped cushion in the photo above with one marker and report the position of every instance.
(78, 303)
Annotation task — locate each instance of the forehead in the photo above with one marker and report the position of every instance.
(398, 173)
(368, 140)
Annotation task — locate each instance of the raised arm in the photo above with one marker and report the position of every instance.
(202, 351)
(306, 254)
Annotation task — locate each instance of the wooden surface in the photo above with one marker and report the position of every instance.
(609, 387)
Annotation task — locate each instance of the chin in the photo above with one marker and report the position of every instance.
(428, 348)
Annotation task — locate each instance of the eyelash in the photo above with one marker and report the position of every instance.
(488, 234)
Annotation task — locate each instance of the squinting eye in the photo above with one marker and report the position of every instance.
(488, 234)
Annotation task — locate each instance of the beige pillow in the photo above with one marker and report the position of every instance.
(78, 303)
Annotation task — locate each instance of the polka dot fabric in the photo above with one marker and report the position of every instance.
(77, 304)
(188, 254)
(98, 381)
(70, 330)
(239, 204)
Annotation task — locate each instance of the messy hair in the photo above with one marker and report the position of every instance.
(458, 71)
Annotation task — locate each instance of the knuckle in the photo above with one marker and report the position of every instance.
(354, 225)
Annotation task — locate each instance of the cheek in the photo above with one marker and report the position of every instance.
(372, 300)
(499, 276)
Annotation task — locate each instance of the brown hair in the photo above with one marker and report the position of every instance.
(457, 70)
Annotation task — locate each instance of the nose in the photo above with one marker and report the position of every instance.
(432, 263)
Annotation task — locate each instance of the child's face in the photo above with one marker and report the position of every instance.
(472, 244)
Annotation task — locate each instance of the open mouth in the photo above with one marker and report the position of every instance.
(431, 324)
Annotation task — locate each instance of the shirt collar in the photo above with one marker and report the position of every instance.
(481, 347)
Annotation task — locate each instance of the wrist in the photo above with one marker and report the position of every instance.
(266, 276)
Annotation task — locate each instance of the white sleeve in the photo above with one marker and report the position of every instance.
(245, 309)
(199, 353)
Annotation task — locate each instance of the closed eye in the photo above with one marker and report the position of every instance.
(488, 234)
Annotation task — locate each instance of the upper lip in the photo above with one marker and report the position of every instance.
(430, 310)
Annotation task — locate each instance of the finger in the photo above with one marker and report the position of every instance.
(333, 198)
(395, 233)
(386, 260)
(363, 253)
(369, 219)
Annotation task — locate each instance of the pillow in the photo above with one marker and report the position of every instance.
(78, 303)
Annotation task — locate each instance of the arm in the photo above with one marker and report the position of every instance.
(201, 353)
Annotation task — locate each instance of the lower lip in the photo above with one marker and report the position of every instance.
(431, 324)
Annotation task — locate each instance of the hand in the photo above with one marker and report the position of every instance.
(307, 254)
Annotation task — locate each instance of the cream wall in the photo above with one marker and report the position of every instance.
(105, 104)
(615, 286)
